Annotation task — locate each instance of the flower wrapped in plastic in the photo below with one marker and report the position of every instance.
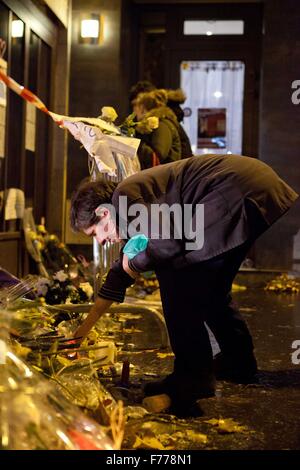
(34, 414)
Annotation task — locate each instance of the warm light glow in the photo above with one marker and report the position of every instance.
(89, 28)
(218, 94)
(17, 29)
(64, 438)
(20, 364)
(212, 27)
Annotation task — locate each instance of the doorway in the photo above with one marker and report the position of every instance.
(230, 34)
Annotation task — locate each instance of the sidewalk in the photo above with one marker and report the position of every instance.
(264, 416)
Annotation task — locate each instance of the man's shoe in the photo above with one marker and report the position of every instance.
(182, 388)
(186, 410)
(158, 387)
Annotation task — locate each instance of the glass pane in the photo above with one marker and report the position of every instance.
(214, 105)
(43, 124)
(213, 27)
(16, 107)
(30, 121)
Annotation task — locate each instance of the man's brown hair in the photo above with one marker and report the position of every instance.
(85, 200)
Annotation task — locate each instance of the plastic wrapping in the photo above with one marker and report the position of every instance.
(81, 384)
(34, 415)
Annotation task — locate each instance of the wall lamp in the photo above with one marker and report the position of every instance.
(91, 29)
(17, 29)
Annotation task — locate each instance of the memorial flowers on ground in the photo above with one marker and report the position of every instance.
(63, 289)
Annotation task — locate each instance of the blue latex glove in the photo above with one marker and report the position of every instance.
(135, 245)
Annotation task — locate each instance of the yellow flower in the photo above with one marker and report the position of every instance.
(32, 235)
(87, 289)
(108, 114)
(38, 245)
(41, 229)
(153, 122)
(147, 125)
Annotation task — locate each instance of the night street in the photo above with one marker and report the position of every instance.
(268, 412)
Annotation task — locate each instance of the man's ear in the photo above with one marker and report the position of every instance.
(101, 211)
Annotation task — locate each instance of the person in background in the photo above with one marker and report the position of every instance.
(241, 197)
(142, 86)
(161, 144)
(174, 99)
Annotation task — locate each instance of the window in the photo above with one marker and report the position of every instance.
(213, 27)
(214, 105)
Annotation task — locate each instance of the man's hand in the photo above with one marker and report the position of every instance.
(126, 268)
(98, 309)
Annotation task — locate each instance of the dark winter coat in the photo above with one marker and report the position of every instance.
(229, 186)
(164, 140)
(175, 99)
(186, 149)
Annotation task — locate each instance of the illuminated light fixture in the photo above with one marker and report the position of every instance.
(17, 29)
(91, 29)
(218, 94)
(229, 153)
(213, 27)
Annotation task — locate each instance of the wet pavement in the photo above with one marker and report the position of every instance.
(265, 416)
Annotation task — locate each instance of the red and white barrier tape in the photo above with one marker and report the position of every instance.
(29, 96)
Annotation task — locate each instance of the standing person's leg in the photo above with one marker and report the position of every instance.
(237, 360)
(191, 296)
(183, 297)
(183, 294)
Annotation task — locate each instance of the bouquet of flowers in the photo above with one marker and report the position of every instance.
(131, 126)
(61, 288)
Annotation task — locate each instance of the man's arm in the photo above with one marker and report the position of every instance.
(98, 309)
(159, 252)
(113, 290)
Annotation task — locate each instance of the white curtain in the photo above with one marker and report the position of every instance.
(216, 84)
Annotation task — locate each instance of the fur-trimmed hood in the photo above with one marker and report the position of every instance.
(176, 96)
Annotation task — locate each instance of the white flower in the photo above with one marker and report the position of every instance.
(42, 286)
(108, 114)
(153, 122)
(87, 289)
(61, 276)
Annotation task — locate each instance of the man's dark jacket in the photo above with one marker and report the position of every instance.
(228, 186)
